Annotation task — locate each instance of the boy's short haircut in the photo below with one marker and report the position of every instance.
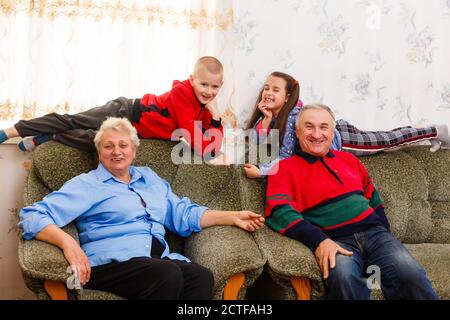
(210, 64)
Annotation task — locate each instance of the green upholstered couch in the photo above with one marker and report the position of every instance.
(414, 184)
(229, 252)
(415, 187)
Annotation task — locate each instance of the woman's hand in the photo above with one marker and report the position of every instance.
(73, 253)
(78, 261)
(252, 171)
(248, 220)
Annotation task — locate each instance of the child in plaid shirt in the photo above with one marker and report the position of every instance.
(278, 105)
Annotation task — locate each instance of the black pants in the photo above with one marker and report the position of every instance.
(154, 278)
(76, 130)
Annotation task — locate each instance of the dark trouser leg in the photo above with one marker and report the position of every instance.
(77, 138)
(147, 279)
(72, 127)
(198, 281)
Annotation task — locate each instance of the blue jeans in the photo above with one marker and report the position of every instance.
(376, 249)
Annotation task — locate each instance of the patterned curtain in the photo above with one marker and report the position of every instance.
(67, 55)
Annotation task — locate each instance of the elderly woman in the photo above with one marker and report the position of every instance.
(121, 212)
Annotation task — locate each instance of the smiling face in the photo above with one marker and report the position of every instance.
(315, 131)
(274, 93)
(206, 85)
(116, 152)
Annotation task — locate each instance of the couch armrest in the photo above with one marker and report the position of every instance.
(41, 260)
(287, 258)
(226, 251)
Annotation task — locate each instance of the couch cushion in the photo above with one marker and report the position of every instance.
(404, 190)
(156, 154)
(56, 163)
(436, 167)
(440, 218)
(211, 186)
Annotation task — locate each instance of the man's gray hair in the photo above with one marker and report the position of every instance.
(119, 125)
(315, 106)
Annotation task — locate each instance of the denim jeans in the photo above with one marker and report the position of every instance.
(375, 250)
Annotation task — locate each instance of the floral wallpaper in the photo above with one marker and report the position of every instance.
(379, 64)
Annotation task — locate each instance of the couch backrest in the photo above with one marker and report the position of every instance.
(436, 167)
(404, 189)
(415, 185)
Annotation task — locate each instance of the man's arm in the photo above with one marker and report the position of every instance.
(372, 194)
(283, 213)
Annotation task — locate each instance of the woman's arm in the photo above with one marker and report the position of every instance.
(246, 220)
(73, 253)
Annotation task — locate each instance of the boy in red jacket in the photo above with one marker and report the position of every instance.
(188, 106)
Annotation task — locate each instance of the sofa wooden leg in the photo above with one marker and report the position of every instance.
(233, 286)
(56, 290)
(302, 287)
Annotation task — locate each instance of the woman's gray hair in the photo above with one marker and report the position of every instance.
(117, 124)
(315, 106)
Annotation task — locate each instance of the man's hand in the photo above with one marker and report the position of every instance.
(326, 255)
(78, 261)
(214, 109)
(252, 171)
(249, 220)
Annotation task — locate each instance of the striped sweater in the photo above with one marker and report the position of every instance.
(311, 199)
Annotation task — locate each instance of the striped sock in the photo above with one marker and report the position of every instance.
(3, 136)
(29, 143)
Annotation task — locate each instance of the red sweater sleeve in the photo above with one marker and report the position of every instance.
(195, 121)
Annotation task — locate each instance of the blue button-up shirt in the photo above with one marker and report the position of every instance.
(116, 221)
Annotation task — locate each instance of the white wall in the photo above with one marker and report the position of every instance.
(379, 64)
(13, 164)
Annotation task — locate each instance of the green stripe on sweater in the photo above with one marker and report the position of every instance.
(282, 216)
(376, 199)
(337, 212)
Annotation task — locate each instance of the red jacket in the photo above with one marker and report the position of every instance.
(183, 109)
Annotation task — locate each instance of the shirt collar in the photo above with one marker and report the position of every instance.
(309, 157)
(103, 174)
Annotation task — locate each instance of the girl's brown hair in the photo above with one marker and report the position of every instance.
(293, 90)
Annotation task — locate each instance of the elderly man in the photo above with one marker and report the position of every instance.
(121, 213)
(326, 200)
